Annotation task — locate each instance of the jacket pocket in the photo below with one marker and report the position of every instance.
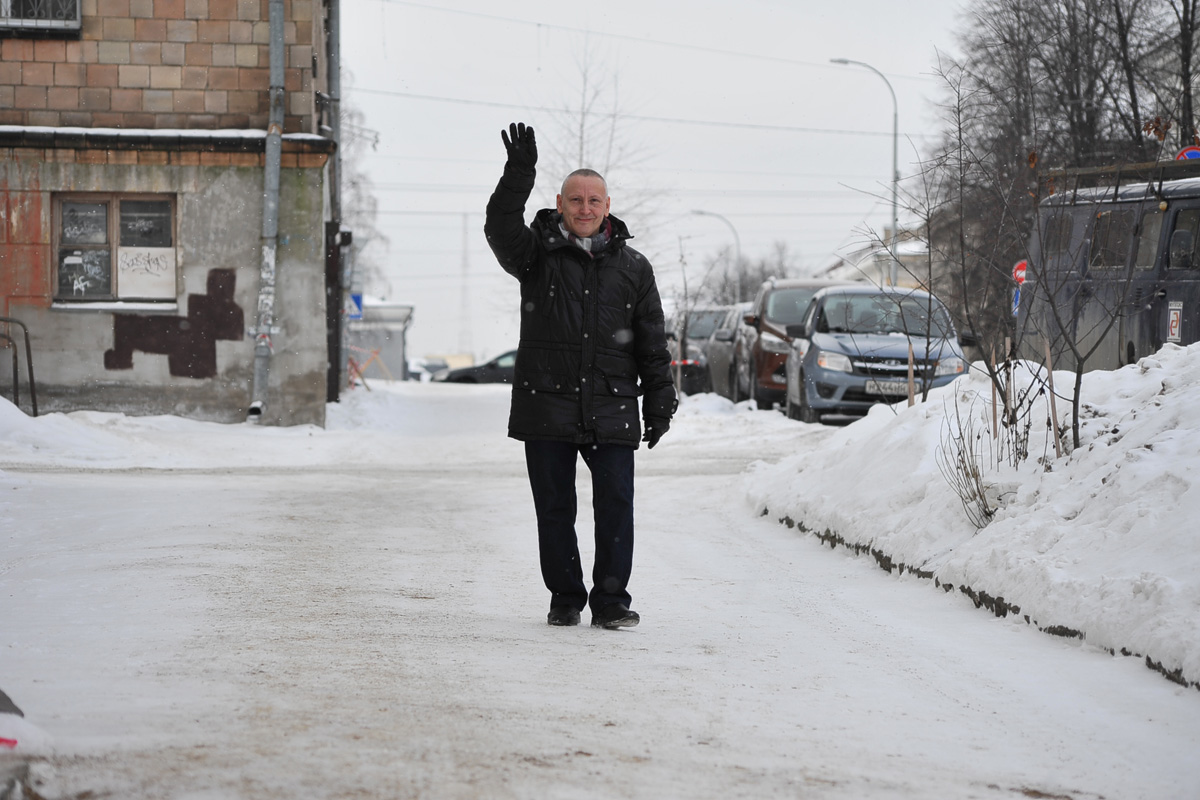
(622, 387)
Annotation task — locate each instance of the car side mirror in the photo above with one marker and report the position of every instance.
(1181, 250)
(751, 320)
(969, 339)
(796, 331)
(723, 335)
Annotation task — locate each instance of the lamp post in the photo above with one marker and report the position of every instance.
(895, 154)
(737, 244)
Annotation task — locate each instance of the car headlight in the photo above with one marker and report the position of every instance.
(949, 366)
(772, 343)
(837, 362)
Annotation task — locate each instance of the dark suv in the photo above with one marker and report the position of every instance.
(764, 350)
(693, 363)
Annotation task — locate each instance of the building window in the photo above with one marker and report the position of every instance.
(115, 247)
(39, 16)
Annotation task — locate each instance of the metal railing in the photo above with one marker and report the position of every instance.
(39, 15)
(9, 341)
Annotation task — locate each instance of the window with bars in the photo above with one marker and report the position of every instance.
(39, 15)
(115, 247)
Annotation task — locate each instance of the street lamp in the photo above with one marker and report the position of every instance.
(737, 243)
(895, 153)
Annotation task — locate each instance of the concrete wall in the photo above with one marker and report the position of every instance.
(195, 360)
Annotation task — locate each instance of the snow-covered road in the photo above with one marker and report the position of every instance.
(200, 611)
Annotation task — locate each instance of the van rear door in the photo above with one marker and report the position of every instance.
(1177, 302)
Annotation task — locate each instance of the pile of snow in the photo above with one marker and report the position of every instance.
(1102, 542)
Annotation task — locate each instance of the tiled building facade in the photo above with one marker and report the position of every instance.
(178, 64)
(132, 164)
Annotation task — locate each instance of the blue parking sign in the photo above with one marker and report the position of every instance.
(1016, 300)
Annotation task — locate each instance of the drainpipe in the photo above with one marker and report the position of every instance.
(336, 296)
(270, 227)
(335, 105)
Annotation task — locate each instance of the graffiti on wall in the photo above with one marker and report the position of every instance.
(189, 343)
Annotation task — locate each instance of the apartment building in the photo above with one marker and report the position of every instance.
(168, 205)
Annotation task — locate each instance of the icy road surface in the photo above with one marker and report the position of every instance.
(200, 611)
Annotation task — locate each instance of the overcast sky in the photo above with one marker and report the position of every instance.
(728, 108)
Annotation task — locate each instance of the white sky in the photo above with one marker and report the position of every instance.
(733, 109)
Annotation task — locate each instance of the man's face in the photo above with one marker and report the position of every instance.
(583, 204)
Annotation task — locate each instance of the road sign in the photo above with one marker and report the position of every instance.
(1191, 151)
(354, 307)
(1016, 300)
(1019, 272)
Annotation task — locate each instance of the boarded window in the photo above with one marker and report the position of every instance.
(113, 247)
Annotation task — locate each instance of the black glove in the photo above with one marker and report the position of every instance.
(522, 148)
(655, 428)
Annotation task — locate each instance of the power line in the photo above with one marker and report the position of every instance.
(635, 39)
(668, 168)
(753, 126)
(417, 188)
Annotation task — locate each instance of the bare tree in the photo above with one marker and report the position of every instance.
(360, 206)
(726, 282)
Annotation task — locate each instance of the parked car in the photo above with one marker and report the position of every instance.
(851, 350)
(498, 370)
(692, 358)
(721, 351)
(423, 369)
(764, 349)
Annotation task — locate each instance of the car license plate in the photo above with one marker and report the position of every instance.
(886, 387)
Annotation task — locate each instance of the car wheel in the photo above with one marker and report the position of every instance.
(806, 413)
(789, 408)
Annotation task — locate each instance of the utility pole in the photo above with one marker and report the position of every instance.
(895, 238)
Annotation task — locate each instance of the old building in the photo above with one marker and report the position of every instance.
(168, 204)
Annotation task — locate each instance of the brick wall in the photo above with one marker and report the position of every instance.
(185, 64)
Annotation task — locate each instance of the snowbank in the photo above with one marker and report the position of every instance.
(1102, 543)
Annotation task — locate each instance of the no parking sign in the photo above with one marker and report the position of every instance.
(1019, 277)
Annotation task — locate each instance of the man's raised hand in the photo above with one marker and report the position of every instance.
(521, 147)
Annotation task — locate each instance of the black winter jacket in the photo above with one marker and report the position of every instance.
(592, 337)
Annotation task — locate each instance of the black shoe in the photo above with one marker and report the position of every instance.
(563, 615)
(615, 615)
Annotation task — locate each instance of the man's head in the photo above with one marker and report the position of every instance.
(583, 202)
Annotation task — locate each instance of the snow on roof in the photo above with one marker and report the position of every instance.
(164, 133)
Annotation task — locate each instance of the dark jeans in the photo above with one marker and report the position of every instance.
(552, 477)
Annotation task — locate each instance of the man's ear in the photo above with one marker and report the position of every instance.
(558, 203)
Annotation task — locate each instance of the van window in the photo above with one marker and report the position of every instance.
(1147, 247)
(1056, 233)
(1187, 220)
(1112, 238)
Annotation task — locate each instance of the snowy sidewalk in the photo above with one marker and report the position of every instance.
(225, 611)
